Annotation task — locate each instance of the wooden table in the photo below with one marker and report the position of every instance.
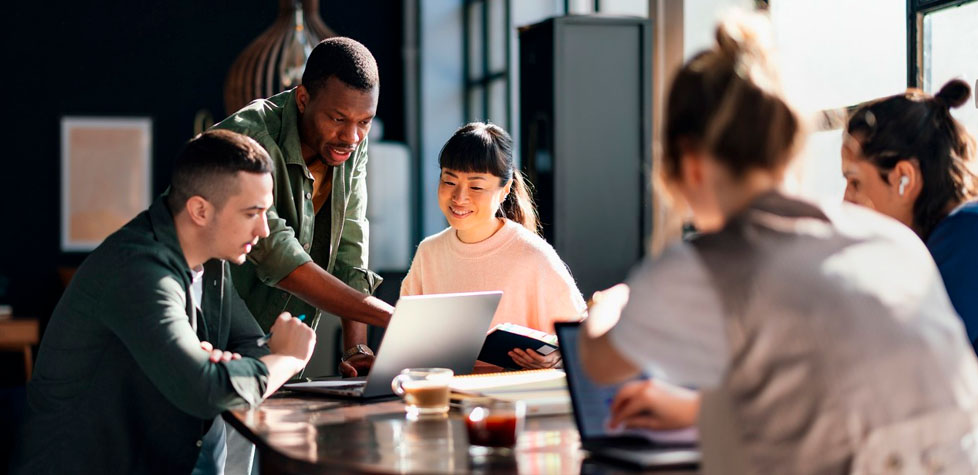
(19, 334)
(304, 434)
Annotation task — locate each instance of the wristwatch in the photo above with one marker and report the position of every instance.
(358, 349)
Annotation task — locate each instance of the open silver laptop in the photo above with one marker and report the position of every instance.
(426, 331)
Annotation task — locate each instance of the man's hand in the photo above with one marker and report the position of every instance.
(530, 359)
(218, 355)
(291, 347)
(356, 365)
(655, 405)
(291, 337)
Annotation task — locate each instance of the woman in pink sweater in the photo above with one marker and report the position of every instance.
(493, 242)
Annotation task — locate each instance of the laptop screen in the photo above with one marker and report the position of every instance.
(591, 401)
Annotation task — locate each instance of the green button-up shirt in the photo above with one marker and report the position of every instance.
(121, 384)
(335, 239)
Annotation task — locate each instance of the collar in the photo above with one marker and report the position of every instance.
(477, 250)
(776, 203)
(291, 145)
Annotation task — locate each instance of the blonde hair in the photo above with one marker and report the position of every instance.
(728, 102)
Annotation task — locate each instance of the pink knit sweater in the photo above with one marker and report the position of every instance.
(537, 288)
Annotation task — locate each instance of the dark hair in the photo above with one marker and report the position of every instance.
(208, 163)
(727, 102)
(914, 125)
(345, 58)
(480, 147)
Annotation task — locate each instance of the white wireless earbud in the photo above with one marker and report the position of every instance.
(904, 180)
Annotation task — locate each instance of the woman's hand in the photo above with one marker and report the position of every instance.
(530, 359)
(655, 405)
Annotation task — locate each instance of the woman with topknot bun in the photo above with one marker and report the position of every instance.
(797, 338)
(907, 157)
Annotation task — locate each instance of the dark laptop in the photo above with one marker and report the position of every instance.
(591, 401)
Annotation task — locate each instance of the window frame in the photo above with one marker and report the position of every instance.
(831, 119)
(481, 83)
(916, 10)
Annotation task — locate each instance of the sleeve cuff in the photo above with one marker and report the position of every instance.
(249, 378)
(272, 267)
(363, 280)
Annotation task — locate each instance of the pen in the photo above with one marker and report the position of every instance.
(264, 340)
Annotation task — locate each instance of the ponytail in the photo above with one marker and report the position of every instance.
(519, 206)
(728, 101)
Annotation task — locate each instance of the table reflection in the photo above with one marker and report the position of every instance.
(297, 433)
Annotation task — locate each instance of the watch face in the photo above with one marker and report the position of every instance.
(359, 349)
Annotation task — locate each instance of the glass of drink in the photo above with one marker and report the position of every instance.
(424, 390)
(493, 425)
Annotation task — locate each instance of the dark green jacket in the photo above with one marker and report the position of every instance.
(336, 239)
(121, 384)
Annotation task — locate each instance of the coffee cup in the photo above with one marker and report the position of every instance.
(424, 390)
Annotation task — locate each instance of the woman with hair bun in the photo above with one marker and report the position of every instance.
(492, 242)
(797, 338)
(907, 157)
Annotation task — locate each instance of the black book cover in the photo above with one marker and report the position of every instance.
(500, 342)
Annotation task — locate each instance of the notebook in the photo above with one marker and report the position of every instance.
(507, 336)
(543, 391)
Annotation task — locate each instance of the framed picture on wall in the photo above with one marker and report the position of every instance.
(105, 176)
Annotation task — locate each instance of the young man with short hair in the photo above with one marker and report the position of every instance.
(150, 342)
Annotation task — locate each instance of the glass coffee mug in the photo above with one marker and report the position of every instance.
(425, 390)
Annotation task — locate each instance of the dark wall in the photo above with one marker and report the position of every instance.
(161, 59)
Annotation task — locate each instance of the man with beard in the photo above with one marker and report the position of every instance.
(315, 256)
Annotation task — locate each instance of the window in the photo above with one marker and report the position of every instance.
(835, 54)
(487, 43)
(490, 48)
(947, 45)
(623, 7)
(700, 19)
(612, 7)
